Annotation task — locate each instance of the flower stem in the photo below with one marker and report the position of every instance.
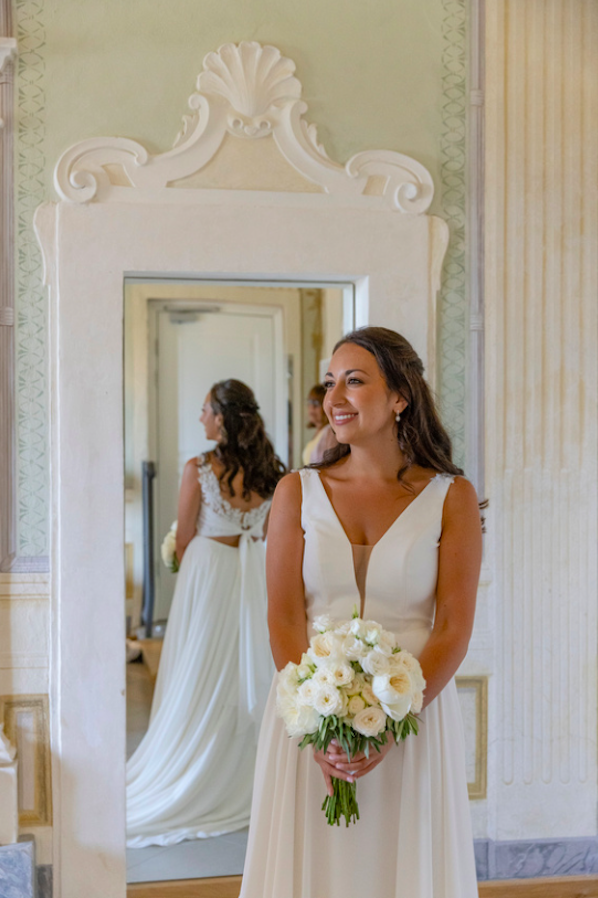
(342, 803)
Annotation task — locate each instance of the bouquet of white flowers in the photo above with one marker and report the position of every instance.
(168, 550)
(354, 684)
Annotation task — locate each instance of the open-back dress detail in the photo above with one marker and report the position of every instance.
(191, 776)
(414, 837)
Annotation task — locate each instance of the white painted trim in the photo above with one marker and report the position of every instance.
(249, 92)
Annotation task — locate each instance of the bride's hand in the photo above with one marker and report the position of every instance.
(335, 763)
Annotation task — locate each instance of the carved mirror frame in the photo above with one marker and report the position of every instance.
(247, 192)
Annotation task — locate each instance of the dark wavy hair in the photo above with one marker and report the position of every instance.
(244, 445)
(421, 436)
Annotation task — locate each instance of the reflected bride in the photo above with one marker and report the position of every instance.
(191, 776)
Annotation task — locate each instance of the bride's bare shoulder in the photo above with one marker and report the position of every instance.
(288, 487)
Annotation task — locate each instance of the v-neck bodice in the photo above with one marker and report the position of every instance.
(400, 585)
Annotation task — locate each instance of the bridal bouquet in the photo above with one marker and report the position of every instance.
(354, 684)
(168, 550)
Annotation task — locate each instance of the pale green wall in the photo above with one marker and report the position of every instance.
(375, 73)
(371, 71)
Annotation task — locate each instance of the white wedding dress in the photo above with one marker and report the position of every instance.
(191, 776)
(414, 838)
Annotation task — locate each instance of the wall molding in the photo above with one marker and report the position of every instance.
(34, 764)
(248, 92)
(477, 788)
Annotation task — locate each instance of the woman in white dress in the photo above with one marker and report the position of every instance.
(388, 525)
(192, 775)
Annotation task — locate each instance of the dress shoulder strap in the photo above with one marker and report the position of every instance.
(312, 492)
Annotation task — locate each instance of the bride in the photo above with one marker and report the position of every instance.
(191, 776)
(386, 523)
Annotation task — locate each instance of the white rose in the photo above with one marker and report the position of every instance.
(343, 628)
(372, 632)
(305, 693)
(355, 686)
(395, 692)
(342, 673)
(418, 700)
(324, 676)
(322, 623)
(288, 679)
(300, 719)
(369, 721)
(354, 649)
(368, 694)
(328, 700)
(305, 668)
(356, 704)
(324, 645)
(387, 642)
(408, 662)
(376, 663)
(399, 709)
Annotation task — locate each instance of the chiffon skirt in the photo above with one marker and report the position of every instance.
(413, 838)
(192, 775)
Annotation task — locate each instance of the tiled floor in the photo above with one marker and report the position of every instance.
(197, 858)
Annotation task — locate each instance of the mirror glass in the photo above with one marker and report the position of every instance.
(181, 337)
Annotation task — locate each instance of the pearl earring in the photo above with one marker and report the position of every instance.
(398, 417)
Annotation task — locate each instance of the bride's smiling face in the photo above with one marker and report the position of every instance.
(358, 402)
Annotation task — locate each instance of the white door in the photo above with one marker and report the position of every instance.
(195, 348)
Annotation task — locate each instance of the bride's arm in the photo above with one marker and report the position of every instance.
(459, 561)
(284, 560)
(189, 503)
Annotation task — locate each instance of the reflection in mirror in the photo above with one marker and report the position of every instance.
(182, 337)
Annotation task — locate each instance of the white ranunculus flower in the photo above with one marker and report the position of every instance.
(369, 721)
(356, 704)
(344, 628)
(376, 663)
(328, 700)
(322, 623)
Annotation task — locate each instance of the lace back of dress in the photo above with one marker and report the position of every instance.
(213, 499)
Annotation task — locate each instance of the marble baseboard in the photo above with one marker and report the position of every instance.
(528, 859)
(17, 870)
(44, 881)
